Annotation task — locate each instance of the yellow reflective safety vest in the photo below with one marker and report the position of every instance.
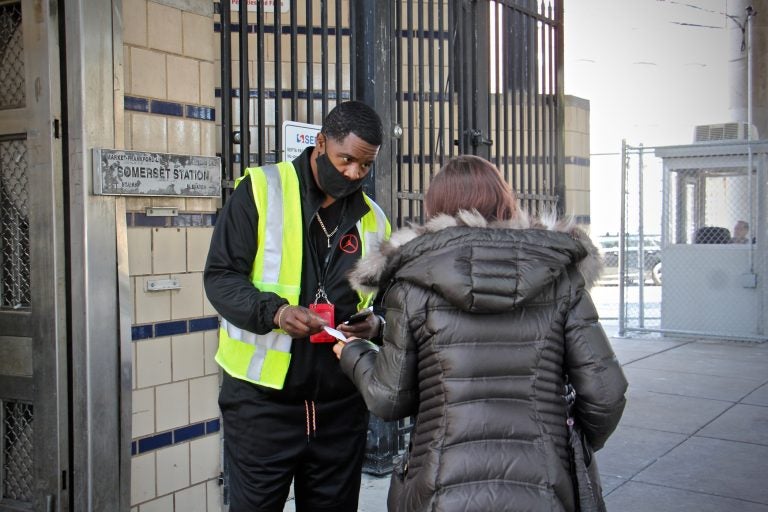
(264, 358)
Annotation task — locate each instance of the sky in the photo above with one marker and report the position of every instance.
(652, 70)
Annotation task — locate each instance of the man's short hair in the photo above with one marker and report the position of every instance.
(353, 117)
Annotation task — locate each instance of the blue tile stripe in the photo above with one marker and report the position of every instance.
(182, 220)
(174, 327)
(169, 108)
(179, 435)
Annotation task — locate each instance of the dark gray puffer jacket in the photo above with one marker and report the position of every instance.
(483, 324)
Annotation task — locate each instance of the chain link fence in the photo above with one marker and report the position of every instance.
(691, 251)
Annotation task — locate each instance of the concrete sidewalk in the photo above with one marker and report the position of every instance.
(694, 435)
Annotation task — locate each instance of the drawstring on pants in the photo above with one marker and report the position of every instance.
(311, 425)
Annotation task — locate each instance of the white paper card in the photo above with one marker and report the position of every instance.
(336, 334)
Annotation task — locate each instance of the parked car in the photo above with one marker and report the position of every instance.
(609, 247)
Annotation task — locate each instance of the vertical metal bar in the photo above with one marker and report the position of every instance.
(294, 61)
(409, 93)
(420, 65)
(538, 72)
(399, 60)
(225, 38)
(339, 56)
(497, 19)
(310, 69)
(481, 77)
(245, 88)
(442, 99)
(530, 84)
(552, 105)
(622, 243)
(278, 82)
(262, 90)
(452, 75)
(324, 56)
(510, 118)
(432, 92)
(559, 128)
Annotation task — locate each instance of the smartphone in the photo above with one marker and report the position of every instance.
(359, 316)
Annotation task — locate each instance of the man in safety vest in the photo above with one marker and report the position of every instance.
(277, 274)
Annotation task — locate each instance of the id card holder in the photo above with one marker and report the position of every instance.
(325, 310)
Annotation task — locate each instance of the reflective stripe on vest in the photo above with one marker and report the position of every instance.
(264, 358)
(374, 228)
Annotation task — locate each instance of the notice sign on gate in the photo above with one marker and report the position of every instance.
(297, 137)
(266, 5)
(137, 173)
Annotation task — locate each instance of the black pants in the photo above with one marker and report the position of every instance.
(319, 445)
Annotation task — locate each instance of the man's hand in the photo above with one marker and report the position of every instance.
(367, 329)
(298, 321)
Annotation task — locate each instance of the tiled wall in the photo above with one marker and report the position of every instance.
(169, 107)
(577, 158)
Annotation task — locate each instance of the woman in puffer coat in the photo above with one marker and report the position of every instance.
(487, 316)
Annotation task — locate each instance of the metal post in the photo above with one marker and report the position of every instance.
(373, 84)
(225, 37)
(622, 232)
(245, 88)
(640, 242)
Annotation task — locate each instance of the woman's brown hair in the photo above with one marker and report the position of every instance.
(468, 182)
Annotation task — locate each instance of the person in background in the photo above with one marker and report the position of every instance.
(276, 273)
(740, 233)
(487, 318)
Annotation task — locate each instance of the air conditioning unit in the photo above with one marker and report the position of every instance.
(724, 132)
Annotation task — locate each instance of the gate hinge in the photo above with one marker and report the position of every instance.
(477, 138)
(56, 126)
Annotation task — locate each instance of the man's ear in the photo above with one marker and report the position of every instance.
(320, 141)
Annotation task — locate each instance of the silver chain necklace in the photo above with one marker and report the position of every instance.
(325, 231)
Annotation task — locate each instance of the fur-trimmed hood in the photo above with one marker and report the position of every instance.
(470, 261)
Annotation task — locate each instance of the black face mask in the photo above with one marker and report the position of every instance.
(332, 182)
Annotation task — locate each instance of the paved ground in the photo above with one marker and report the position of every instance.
(694, 436)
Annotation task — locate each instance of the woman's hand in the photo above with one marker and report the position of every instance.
(368, 328)
(339, 346)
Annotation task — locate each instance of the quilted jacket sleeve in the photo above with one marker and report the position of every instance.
(592, 368)
(387, 376)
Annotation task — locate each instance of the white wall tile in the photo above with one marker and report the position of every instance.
(205, 393)
(164, 28)
(172, 406)
(143, 404)
(187, 302)
(191, 499)
(169, 246)
(143, 478)
(139, 251)
(183, 136)
(215, 501)
(148, 75)
(151, 306)
(204, 458)
(211, 341)
(148, 133)
(198, 241)
(183, 79)
(198, 36)
(164, 504)
(188, 356)
(153, 362)
(135, 22)
(172, 468)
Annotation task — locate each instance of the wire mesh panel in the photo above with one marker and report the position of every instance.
(12, 83)
(14, 225)
(16, 435)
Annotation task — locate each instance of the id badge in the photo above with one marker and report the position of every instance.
(325, 310)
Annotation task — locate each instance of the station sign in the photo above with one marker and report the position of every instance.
(297, 137)
(139, 173)
(266, 5)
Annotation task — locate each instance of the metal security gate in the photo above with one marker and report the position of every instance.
(484, 78)
(33, 396)
(481, 77)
